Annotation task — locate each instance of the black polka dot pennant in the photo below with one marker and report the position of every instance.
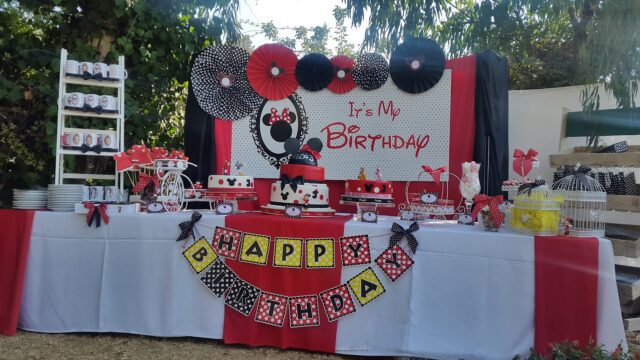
(370, 71)
(219, 81)
(417, 65)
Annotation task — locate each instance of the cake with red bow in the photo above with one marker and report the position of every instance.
(301, 183)
(367, 190)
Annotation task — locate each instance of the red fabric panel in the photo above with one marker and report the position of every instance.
(239, 329)
(462, 135)
(566, 290)
(14, 248)
(223, 143)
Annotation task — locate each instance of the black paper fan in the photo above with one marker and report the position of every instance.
(314, 72)
(370, 71)
(417, 65)
(219, 81)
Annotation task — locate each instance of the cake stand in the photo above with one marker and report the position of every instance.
(367, 208)
(420, 207)
(227, 203)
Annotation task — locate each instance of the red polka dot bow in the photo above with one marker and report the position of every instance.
(146, 180)
(523, 163)
(493, 202)
(284, 116)
(435, 173)
(96, 212)
(306, 148)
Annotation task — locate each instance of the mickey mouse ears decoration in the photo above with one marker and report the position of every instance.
(219, 81)
(271, 71)
(370, 71)
(308, 154)
(417, 65)
(342, 81)
(314, 72)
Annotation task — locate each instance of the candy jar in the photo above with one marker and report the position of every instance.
(470, 183)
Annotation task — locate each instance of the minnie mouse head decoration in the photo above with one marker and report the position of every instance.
(307, 154)
(280, 123)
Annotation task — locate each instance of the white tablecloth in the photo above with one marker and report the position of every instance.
(469, 294)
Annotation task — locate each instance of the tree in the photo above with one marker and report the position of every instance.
(157, 39)
(548, 43)
(310, 39)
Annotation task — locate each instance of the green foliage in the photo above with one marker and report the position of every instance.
(312, 39)
(573, 351)
(157, 39)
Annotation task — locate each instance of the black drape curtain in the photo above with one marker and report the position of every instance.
(199, 140)
(491, 147)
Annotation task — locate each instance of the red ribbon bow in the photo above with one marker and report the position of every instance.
(284, 116)
(306, 148)
(493, 202)
(523, 163)
(100, 214)
(435, 173)
(145, 180)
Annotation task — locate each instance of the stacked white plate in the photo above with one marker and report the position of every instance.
(63, 197)
(29, 199)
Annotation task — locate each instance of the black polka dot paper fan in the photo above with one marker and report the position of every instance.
(314, 72)
(417, 65)
(370, 71)
(219, 81)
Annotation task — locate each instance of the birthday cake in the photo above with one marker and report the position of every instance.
(301, 190)
(229, 184)
(365, 190)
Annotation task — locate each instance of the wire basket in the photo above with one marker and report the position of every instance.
(585, 202)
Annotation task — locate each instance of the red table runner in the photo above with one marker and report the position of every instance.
(14, 247)
(240, 329)
(566, 290)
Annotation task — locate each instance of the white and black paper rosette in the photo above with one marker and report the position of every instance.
(370, 71)
(417, 65)
(219, 81)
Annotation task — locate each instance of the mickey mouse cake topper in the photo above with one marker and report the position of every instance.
(307, 154)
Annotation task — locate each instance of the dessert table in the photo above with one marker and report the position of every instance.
(470, 293)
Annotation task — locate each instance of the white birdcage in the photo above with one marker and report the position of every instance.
(585, 202)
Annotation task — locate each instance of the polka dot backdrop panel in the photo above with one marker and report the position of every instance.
(359, 129)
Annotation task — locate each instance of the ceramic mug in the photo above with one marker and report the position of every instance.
(111, 194)
(116, 72)
(71, 67)
(66, 138)
(100, 68)
(108, 102)
(86, 67)
(90, 139)
(109, 141)
(96, 193)
(92, 100)
(74, 100)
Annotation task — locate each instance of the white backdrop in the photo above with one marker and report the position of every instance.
(386, 127)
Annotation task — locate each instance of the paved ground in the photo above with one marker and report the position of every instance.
(29, 345)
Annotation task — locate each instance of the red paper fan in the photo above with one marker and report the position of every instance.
(342, 79)
(271, 70)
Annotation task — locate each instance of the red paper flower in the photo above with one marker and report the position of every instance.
(342, 81)
(271, 71)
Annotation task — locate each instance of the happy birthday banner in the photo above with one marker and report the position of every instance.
(388, 127)
(206, 260)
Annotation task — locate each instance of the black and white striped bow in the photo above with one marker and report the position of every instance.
(399, 233)
(186, 227)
